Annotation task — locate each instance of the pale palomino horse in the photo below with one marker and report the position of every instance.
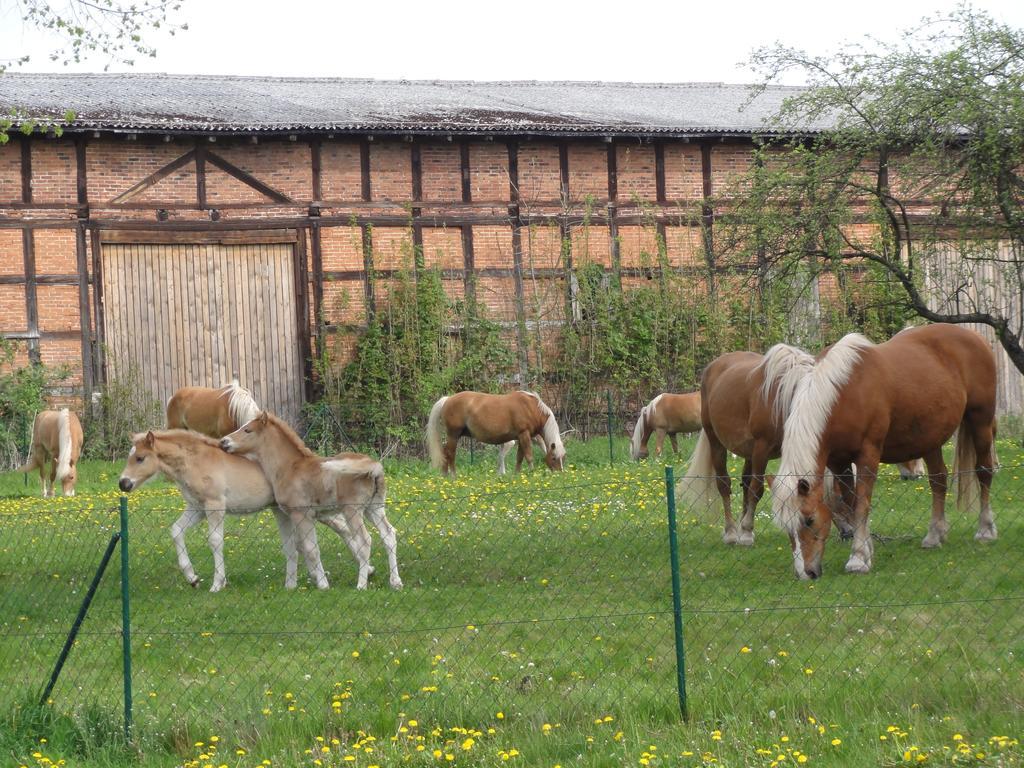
(56, 445)
(863, 404)
(213, 484)
(212, 412)
(338, 491)
(497, 420)
(667, 414)
(744, 400)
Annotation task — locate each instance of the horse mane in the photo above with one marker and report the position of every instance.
(812, 403)
(638, 432)
(289, 434)
(241, 404)
(179, 436)
(783, 368)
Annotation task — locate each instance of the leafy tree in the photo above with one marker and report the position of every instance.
(116, 30)
(904, 160)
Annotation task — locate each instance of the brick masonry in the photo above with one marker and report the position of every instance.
(114, 165)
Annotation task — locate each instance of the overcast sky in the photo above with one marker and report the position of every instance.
(460, 39)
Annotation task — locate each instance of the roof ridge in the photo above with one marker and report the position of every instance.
(389, 81)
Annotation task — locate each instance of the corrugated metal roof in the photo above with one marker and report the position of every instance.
(188, 103)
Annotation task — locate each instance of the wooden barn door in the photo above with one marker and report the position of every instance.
(202, 313)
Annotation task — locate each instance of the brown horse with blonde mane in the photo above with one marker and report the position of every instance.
(338, 491)
(57, 442)
(667, 414)
(863, 404)
(493, 419)
(744, 398)
(211, 412)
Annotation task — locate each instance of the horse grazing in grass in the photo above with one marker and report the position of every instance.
(212, 412)
(863, 404)
(213, 484)
(338, 492)
(744, 400)
(57, 442)
(667, 414)
(493, 419)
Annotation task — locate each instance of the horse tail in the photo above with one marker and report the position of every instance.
(699, 486)
(638, 433)
(63, 443)
(434, 434)
(964, 462)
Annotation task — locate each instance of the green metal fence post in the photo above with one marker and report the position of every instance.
(126, 625)
(611, 446)
(80, 618)
(677, 605)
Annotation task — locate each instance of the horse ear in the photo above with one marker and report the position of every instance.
(150, 439)
(263, 418)
(803, 487)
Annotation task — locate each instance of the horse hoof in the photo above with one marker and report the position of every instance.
(931, 541)
(986, 534)
(746, 539)
(396, 584)
(323, 585)
(194, 583)
(856, 565)
(730, 537)
(361, 586)
(217, 587)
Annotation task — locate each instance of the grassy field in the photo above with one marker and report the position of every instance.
(535, 629)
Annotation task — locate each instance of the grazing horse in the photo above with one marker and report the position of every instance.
(337, 491)
(213, 483)
(667, 414)
(493, 419)
(212, 412)
(57, 441)
(744, 399)
(863, 404)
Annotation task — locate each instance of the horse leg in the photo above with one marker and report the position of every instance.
(503, 450)
(525, 451)
(189, 519)
(659, 442)
(984, 466)
(304, 526)
(842, 514)
(49, 489)
(379, 518)
(862, 551)
(719, 459)
(753, 490)
(215, 536)
(675, 444)
(938, 480)
(291, 553)
(353, 532)
(449, 453)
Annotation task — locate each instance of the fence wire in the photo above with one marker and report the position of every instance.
(526, 600)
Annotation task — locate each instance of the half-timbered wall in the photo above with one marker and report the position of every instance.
(493, 214)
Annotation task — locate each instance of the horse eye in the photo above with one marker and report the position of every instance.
(808, 521)
(139, 459)
(248, 431)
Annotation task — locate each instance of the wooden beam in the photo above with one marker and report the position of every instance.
(613, 172)
(417, 196)
(468, 262)
(659, 171)
(246, 178)
(318, 284)
(708, 214)
(563, 172)
(81, 170)
(31, 302)
(417, 171)
(315, 157)
(84, 321)
(26, 169)
(368, 273)
(155, 177)
(364, 170)
(99, 366)
(512, 147)
(201, 155)
(467, 185)
(614, 245)
(302, 313)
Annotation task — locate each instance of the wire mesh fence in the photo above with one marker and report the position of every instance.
(537, 602)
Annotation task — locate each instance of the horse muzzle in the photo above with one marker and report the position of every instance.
(126, 484)
(226, 445)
